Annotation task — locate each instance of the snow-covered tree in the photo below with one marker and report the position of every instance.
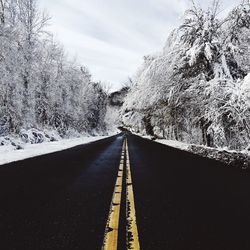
(39, 86)
(191, 91)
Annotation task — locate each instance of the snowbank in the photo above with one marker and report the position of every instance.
(174, 144)
(231, 158)
(8, 153)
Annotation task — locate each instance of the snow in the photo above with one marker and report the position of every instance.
(193, 53)
(112, 119)
(170, 143)
(187, 147)
(194, 89)
(225, 66)
(174, 144)
(233, 158)
(9, 154)
(208, 52)
(246, 83)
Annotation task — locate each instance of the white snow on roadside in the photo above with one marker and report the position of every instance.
(170, 143)
(8, 154)
(174, 144)
(187, 147)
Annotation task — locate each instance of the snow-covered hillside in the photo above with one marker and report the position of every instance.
(196, 90)
(113, 112)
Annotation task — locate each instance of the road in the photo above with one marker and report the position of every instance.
(123, 190)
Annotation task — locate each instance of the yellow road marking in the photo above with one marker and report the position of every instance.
(132, 230)
(111, 231)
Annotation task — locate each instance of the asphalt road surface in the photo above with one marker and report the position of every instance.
(124, 193)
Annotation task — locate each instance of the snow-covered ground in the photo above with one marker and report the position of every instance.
(174, 144)
(9, 154)
(238, 159)
(170, 143)
(188, 147)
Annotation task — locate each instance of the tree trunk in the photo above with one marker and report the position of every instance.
(2, 15)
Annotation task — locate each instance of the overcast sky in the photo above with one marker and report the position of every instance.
(111, 37)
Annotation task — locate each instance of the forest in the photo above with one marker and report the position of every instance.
(40, 88)
(197, 89)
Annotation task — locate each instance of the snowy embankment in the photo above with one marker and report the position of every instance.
(238, 159)
(174, 144)
(8, 153)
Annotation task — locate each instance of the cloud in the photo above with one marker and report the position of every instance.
(111, 37)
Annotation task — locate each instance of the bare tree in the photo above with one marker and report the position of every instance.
(2, 10)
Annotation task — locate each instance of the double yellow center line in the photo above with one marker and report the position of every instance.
(111, 232)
